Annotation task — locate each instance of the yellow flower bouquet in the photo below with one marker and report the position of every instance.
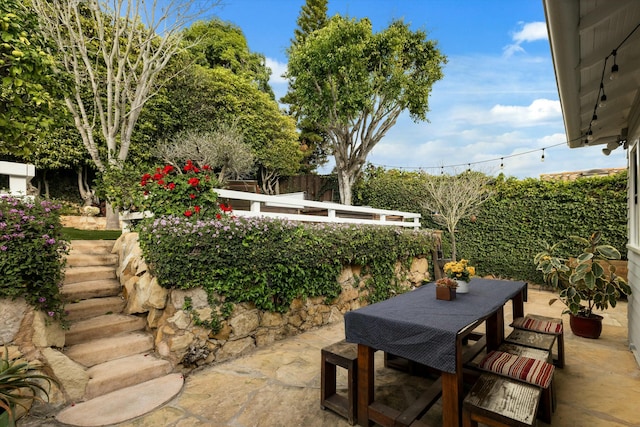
(459, 270)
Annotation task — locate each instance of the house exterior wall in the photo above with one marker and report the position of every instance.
(633, 246)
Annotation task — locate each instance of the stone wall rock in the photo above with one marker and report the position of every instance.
(177, 316)
(11, 314)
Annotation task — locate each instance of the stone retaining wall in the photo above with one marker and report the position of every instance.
(186, 345)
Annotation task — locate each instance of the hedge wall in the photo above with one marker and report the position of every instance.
(513, 224)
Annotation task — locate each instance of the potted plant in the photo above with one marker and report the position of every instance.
(20, 385)
(584, 282)
(446, 289)
(460, 271)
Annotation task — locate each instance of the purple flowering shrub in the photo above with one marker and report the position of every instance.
(32, 253)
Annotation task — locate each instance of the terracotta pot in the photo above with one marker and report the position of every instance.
(445, 293)
(586, 327)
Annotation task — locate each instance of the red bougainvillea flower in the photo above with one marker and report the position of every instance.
(161, 182)
(194, 182)
(157, 176)
(218, 216)
(188, 213)
(171, 186)
(189, 166)
(206, 167)
(225, 208)
(192, 196)
(167, 169)
(197, 209)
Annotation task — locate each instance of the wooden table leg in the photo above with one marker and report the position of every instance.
(453, 392)
(518, 305)
(365, 383)
(495, 329)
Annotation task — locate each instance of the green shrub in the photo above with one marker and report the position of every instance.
(270, 261)
(32, 253)
(513, 225)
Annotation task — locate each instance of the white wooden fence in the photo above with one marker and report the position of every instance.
(295, 208)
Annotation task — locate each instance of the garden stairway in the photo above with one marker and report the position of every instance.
(126, 379)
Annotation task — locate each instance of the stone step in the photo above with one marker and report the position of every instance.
(83, 274)
(124, 372)
(94, 307)
(103, 326)
(124, 404)
(90, 289)
(81, 259)
(92, 246)
(102, 350)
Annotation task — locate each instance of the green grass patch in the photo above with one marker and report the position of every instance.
(76, 234)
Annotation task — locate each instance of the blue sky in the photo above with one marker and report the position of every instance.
(498, 98)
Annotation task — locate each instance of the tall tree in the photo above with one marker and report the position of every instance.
(206, 97)
(117, 48)
(453, 197)
(223, 44)
(28, 85)
(313, 141)
(355, 84)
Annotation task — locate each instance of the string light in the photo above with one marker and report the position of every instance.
(603, 98)
(542, 158)
(501, 162)
(468, 165)
(614, 67)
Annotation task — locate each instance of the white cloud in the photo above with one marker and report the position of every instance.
(277, 70)
(539, 111)
(529, 32)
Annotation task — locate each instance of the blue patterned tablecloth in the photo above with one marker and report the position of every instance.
(417, 326)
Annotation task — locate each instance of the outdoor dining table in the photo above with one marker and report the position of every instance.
(418, 327)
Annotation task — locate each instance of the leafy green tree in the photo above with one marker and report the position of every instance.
(28, 85)
(355, 84)
(206, 97)
(223, 44)
(313, 141)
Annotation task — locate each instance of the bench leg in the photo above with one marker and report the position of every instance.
(560, 343)
(328, 380)
(546, 405)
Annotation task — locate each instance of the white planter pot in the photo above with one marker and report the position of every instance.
(463, 287)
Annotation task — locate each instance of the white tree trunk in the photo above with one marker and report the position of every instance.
(345, 183)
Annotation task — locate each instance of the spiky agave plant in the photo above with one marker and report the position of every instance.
(19, 386)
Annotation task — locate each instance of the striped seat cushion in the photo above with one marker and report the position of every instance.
(532, 371)
(546, 325)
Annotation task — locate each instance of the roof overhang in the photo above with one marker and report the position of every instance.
(586, 38)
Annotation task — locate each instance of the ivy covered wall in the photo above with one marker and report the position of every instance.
(512, 225)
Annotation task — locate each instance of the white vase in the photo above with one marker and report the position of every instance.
(463, 287)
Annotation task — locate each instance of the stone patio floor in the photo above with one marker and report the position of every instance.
(279, 385)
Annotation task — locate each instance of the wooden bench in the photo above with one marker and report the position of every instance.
(548, 395)
(499, 401)
(345, 355)
(531, 339)
(545, 325)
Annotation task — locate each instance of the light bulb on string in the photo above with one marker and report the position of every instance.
(614, 67)
(501, 162)
(594, 119)
(603, 97)
(542, 158)
(590, 135)
(441, 170)
(469, 167)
